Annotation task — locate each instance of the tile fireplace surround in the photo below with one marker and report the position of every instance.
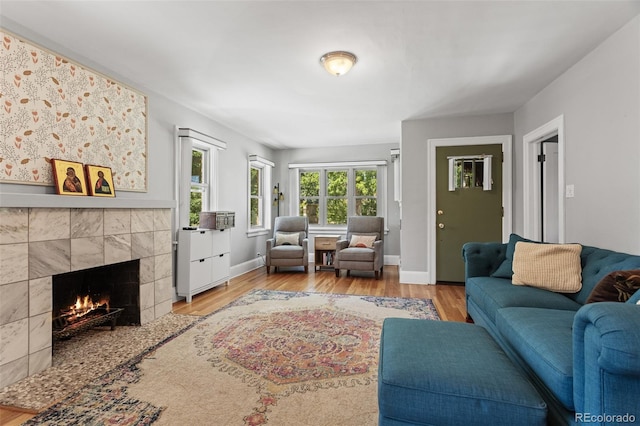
(37, 243)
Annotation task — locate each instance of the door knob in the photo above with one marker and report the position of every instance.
(440, 212)
(441, 225)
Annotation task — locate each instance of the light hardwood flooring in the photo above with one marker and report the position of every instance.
(448, 299)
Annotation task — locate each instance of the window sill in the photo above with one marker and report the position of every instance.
(256, 232)
(332, 230)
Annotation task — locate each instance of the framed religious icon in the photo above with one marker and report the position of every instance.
(68, 177)
(100, 181)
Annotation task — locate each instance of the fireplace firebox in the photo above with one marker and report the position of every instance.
(95, 296)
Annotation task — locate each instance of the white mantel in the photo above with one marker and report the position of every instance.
(82, 202)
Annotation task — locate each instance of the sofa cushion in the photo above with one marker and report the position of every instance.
(596, 263)
(287, 252)
(543, 339)
(363, 241)
(617, 286)
(635, 299)
(491, 294)
(357, 254)
(505, 270)
(287, 238)
(553, 267)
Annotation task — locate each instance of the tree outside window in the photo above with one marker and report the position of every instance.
(256, 197)
(329, 195)
(366, 192)
(310, 195)
(199, 186)
(336, 197)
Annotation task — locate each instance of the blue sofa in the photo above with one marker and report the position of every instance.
(584, 359)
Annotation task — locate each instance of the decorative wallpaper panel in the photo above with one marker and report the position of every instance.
(52, 107)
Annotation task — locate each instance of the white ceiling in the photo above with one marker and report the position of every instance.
(254, 65)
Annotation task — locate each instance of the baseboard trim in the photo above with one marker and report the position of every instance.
(244, 267)
(392, 259)
(414, 277)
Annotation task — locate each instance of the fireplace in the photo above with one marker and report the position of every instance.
(37, 245)
(96, 292)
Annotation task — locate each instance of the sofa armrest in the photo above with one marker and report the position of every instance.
(606, 358)
(271, 242)
(481, 259)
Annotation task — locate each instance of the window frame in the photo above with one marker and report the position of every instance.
(266, 171)
(295, 170)
(186, 141)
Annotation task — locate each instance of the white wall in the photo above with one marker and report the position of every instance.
(413, 155)
(600, 100)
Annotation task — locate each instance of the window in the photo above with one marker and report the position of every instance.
(256, 196)
(196, 167)
(259, 195)
(328, 193)
(199, 194)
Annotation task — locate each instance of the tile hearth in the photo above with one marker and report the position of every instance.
(37, 243)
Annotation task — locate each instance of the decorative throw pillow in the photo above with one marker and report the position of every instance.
(287, 238)
(553, 267)
(635, 299)
(617, 286)
(505, 270)
(362, 241)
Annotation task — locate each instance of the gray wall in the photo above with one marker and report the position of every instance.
(347, 153)
(413, 154)
(600, 100)
(163, 115)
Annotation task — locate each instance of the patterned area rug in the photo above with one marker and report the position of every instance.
(269, 358)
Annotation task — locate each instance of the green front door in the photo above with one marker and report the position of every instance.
(465, 209)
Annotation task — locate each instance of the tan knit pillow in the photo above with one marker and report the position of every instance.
(554, 267)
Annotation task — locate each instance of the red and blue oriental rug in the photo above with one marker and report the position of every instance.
(269, 358)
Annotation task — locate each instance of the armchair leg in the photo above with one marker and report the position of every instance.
(306, 269)
(337, 272)
(376, 274)
(348, 272)
(268, 269)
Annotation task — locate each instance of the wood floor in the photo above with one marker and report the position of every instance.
(448, 299)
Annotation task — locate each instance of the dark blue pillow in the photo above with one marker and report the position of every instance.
(505, 270)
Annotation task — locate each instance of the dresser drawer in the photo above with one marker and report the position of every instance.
(201, 244)
(325, 242)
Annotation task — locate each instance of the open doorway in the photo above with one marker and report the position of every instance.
(544, 182)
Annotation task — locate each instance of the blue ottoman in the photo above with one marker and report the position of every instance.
(450, 373)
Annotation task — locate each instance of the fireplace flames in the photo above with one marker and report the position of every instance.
(83, 306)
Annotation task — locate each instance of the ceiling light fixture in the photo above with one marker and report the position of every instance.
(338, 63)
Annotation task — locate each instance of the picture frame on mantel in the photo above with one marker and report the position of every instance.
(69, 177)
(99, 181)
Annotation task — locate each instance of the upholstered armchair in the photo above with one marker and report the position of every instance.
(363, 249)
(289, 245)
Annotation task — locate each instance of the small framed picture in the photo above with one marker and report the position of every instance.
(69, 177)
(100, 181)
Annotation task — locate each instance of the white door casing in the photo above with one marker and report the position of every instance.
(531, 179)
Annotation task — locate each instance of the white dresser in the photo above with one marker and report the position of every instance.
(203, 260)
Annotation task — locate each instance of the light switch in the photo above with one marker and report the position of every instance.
(570, 191)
